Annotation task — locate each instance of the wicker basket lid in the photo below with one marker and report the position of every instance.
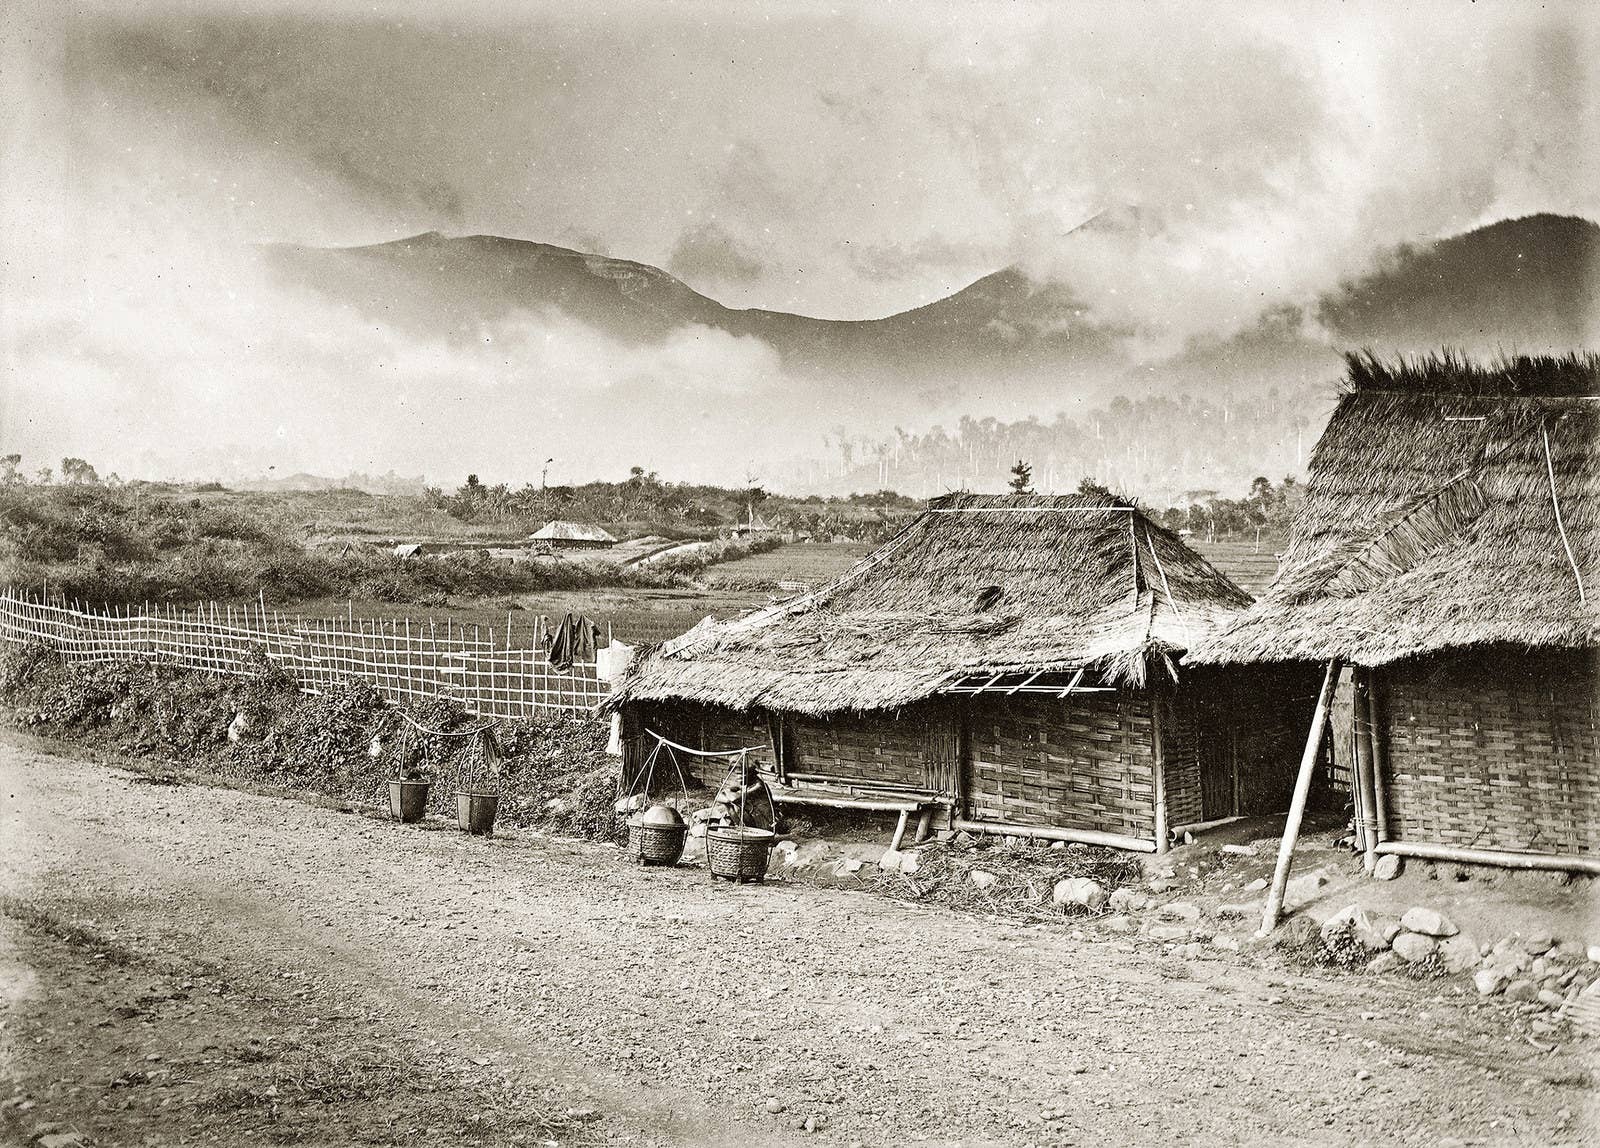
(663, 815)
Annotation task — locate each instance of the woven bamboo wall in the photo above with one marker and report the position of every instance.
(1497, 749)
(1181, 753)
(705, 728)
(1081, 763)
(886, 749)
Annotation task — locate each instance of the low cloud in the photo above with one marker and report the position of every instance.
(706, 253)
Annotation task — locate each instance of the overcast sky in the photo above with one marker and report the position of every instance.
(839, 160)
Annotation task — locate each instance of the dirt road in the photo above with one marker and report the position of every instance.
(184, 964)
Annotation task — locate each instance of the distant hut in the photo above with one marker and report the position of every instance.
(1008, 660)
(1448, 551)
(572, 536)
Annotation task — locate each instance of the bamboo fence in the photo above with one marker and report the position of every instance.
(489, 673)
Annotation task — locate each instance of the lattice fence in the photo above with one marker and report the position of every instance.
(404, 660)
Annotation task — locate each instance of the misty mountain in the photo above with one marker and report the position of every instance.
(1005, 347)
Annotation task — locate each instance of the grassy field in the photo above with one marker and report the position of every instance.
(1253, 566)
(809, 562)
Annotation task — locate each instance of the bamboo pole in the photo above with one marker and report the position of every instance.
(1369, 799)
(1504, 858)
(1297, 805)
(1050, 833)
(1158, 773)
(1380, 754)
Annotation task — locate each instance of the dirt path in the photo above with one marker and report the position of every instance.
(195, 965)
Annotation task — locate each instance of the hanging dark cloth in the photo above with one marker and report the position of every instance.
(574, 640)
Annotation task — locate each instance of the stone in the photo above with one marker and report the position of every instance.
(1224, 942)
(1119, 924)
(1168, 932)
(1240, 850)
(1488, 982)
(1298, 930)
(1388, 928)
(1522, 991)
(1352, 919)
(1256, 886)
(983, 879)
(1304, 888)
(1389, 867)
(1163, 885)
(1082, 891)
(1539, 944)
(846, 866)
(1593, 953)
(1431, 922)
(240, 723)
(1239, 912)
(60, 1140)
(1180, 911)
(1458, 953)
(1383, 963)
(1551, 999)
(890, 861)
(909, 863)
(1127, 901)
(1414, 947)
(775, 1106)
(1058, 844)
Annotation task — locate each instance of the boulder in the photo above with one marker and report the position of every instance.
(1458, 953)
(1180, 911)
(983, 879)
(1091, 895)
(1431, 922)
(1414, 947)
(1353, 920)
(1383, 963)
(1388, 867)
(1488, 982)
(1127, 900)
(890, 861)
(1522, 991)
(1119, 924)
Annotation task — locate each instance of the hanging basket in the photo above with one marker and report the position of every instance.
(738, 853)
(657, 836)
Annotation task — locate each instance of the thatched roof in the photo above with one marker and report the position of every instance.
(1448, 505)
(976, 584)
(561, 531)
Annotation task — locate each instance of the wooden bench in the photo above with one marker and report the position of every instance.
(854, 796)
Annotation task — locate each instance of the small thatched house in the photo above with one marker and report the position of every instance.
(1448, 550)
(572, 536)
(1011, 660)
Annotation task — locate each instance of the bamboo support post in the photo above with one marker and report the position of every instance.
(1366, 813)
(1380, 792)
(1297, 805)
(1158, 773)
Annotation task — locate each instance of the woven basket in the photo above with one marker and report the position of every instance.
(656, 844)
(738, 853)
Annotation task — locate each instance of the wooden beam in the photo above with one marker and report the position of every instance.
(1367, 825)
(1297, 805)
(899, 831)
(1380, 759)
(1504, 858)
(1051, 833)
(1158, 772)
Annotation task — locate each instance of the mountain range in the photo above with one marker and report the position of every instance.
(1006, 345)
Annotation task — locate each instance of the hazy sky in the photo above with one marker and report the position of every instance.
(840, 160)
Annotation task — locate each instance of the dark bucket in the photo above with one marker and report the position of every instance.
(476, 811)
(408, 800)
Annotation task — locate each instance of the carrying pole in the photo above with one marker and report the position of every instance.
(1297, 806)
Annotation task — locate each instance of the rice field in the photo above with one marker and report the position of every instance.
(1251, 565)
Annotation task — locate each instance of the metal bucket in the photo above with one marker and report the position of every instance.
(475, 811)
(408, 800)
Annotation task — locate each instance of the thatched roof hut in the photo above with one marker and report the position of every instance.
(1448, 505)
(1448, 551)
(562, 533)
(1009, 659)
(977, 586)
